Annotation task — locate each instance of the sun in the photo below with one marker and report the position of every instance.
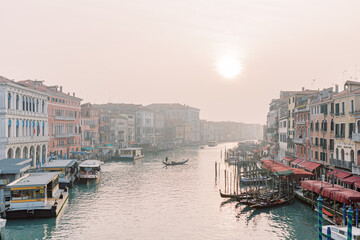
(229, 66)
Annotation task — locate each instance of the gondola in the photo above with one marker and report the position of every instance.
(273, 203)
(170, 163)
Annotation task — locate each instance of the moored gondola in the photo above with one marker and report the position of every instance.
(272, 203)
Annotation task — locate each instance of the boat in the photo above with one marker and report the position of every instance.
(272, 203)
(340, 233)
(90, 170)
(68, 171)
(224, 195)
(212, 144)
(2, 223)
(170, 163)
(36, 195)
(254, 180)
(126, 154)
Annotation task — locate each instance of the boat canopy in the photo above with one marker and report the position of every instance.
(336, 192)
(352, 180)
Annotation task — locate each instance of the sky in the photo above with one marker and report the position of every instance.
(145, 51)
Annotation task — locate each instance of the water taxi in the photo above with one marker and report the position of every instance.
(130, 154)
(90, 170)
(68, 171)
(340, 233)
(36, 195)
(212, 144)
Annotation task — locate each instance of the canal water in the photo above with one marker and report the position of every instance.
(145, 200)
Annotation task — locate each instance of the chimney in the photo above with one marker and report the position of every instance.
(303, 89)
(60, 88)
(336, 88)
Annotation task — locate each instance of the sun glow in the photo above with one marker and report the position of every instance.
(229, 66)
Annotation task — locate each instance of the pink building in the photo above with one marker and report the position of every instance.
(64, 119)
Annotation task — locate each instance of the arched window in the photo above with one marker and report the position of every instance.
(37, 105)
(17, 128)
(9, 100)
(43, 128)
(27, 103)
(17, 102)
(9, 128)
(358, 126)
(23, 103)
(43, 107)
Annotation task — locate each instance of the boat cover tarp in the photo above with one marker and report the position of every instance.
(340, 174)
(351, 180)
(297, 161)
(275, 166)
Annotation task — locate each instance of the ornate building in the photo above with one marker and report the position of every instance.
(23, 121)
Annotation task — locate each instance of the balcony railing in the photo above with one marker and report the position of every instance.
(65, 118)
(356, 137)
(28, 139)
(65, 135)
(299, 140)
(300, 122)
(340, 163)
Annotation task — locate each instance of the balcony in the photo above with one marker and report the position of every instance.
(356, 137)
(66, 135)
(299, 141)
(341, 164)
(32, 139)
(300, 122)
(339, 136)
(65, 118)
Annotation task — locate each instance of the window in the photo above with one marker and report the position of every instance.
(351, 129)
(9, 100)
(332, 125)
(352, 106)
(342, 130)
(332, 108)
(332, 144)
(337, 109)
(17, 102)
(16, 195)
(343, 108)
(337, 130)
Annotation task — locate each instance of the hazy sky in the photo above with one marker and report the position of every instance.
(143, 51)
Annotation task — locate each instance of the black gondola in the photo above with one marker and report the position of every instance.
(170, 163)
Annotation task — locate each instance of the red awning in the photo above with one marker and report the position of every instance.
(329, 192)
(347, 196)
(288, 159)
(301, 172)
(340, 174)
(266, 147)
(351, 180)
(310, 166)
(297, 161)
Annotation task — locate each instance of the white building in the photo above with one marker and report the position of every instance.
(23, 122)
(122, 129)
(145, 126)
(283, 131)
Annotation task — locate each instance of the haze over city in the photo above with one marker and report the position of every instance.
(227, 58)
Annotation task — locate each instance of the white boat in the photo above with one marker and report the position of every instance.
(340, 233)
(90, 170)
(2, 223)
(129, 154)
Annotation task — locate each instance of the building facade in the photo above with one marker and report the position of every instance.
(24, 122)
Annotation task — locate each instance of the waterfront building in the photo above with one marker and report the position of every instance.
(345, 115)
(104, 127)
(122, 129)
(283, 137)
(89, 126)
(23, 121)
(64, 118)
(145, 126)
(302, 130)
(322, 127)
(189, 116)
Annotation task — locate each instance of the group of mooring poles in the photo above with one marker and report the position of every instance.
(349, 222)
